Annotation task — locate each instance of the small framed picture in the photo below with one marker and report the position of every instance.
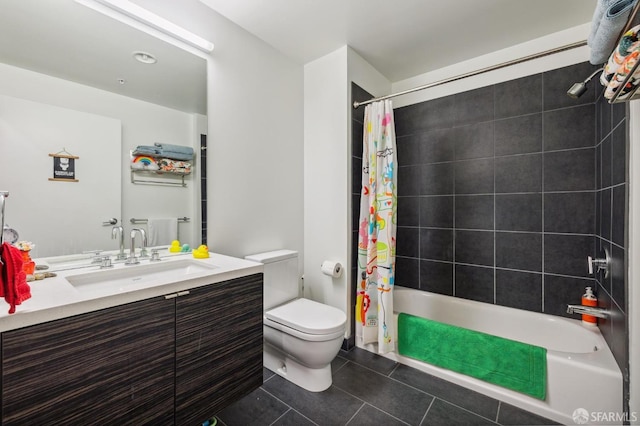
(64, 167)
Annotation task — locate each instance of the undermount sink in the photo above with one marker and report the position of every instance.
(139, 276)
(62, 263)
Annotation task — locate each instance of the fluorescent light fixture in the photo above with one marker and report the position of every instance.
(152, 20)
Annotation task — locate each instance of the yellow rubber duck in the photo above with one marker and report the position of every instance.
(202, 252)
(175, 247)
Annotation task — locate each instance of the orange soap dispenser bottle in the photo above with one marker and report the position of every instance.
(589, 299)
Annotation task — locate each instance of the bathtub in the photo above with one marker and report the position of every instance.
(581, 371)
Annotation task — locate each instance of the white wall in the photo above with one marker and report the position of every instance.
(255, 155)
(55, 215)
(327, 169)
(143, 123)
(365, 76)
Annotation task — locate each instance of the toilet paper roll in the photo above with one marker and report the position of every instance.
(332, 269)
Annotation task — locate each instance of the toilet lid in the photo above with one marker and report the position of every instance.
(308, 316)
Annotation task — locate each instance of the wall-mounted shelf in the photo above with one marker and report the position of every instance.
(167, 172)
(168, 178)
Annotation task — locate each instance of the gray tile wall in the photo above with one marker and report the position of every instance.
(497, 193)
(505, 190)
(611, 222)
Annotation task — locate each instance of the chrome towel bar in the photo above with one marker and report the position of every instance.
(134, 220)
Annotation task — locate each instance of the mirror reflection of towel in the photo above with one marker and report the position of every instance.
(162, 231)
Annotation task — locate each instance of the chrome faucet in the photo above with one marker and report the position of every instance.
(132, 259)
(97, 256)
(588, 310)
(115, 232)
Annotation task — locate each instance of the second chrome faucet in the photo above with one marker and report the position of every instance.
(132, 259)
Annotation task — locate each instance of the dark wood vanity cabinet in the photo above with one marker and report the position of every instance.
(218, 347)
(113, 365)
(158, 361)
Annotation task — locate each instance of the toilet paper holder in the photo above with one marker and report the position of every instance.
(331, 269)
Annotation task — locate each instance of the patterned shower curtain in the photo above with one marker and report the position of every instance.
(377, 229)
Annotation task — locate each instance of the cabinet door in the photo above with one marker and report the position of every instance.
(114, 366)
(219, 347)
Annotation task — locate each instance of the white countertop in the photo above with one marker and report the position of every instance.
(54, 298)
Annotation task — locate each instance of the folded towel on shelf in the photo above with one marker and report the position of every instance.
(176, 152)
(162, 231)
(176, 156)
(14, 288)
(146, 150)
(609, 19)
(174, 166)
(175, 148)
(144, 162)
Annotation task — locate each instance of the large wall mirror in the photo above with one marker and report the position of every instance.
(74, 81)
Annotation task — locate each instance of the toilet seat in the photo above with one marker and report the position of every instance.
(307, 319)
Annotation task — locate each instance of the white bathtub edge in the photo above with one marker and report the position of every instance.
(563, 387)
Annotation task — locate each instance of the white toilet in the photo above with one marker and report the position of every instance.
(301, 337)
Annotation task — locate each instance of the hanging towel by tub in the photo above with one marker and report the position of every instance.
(176, 152)
(14, 289)
(609, 19)
(162, 231)
(620, 64)
(623, 71)
(628, 43)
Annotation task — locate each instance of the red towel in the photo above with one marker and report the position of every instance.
(14, 289)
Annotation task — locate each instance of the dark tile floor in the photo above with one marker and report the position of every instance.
(401, 396)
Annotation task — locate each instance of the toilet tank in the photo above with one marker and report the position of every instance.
(280, 276)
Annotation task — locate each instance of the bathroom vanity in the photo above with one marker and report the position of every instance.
(172, 350)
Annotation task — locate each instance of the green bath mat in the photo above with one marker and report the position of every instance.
(513, 365)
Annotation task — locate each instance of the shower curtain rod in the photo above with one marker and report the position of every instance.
(476, 72)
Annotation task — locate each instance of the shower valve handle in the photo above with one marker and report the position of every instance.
(600, 264)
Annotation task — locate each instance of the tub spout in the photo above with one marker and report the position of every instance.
(588, 310)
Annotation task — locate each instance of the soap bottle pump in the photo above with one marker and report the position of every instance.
(589, 299)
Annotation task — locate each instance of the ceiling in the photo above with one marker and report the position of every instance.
(402, 38)
(65, 39)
